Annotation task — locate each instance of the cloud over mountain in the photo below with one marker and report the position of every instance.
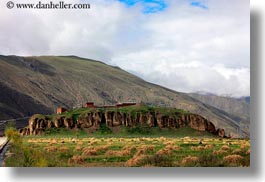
(182, 45)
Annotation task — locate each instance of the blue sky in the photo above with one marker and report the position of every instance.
(199, 4)
(155, 6)
(149, 6)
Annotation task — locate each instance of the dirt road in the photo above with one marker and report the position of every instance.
(3, 141)
(3, 146)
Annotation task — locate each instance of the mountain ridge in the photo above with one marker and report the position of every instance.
(236, 106)
(67, 81)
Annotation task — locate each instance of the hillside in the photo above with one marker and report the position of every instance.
(46, 82)
(237, 107)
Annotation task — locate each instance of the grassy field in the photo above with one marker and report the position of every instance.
(67, 149)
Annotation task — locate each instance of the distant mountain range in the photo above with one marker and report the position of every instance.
(31, 85)
(237, 107)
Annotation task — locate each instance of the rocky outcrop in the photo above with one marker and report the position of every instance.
(24, 131)
(90, 119)
(220, 133)
(37, 125)
(112, 119)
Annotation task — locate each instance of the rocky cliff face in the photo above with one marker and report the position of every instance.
(94, 119)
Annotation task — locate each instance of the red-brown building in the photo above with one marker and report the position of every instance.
(60, 110)
(90, 105)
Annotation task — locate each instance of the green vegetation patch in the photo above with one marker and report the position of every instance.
(133, 110)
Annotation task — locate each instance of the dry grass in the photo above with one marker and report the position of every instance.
(136, 159)
(126, 151)
(248, 152)
(93, 142)
(190, 160)
(51, 149)
(168, 149)
(140, 152)
(233, 160)
(35, 145)
(129, 148)
(63, 149)
(78, 148)
(172, 147)
(162, 139)
(90, 151)
(169, 143)
(199, 148)
(245, 145)
(238, 151)
(208, 147)
(76, 159)
(118, 153)
(80, 143)
(219, 152)
(164, 152)
(146, 148)
(146, 152)
(225, 147)
(52, 142)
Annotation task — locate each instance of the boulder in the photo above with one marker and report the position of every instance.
(162, 121)
(24, 131)
(117, 119)
(50, 124)
(85, 121)
(59, 121)
(211, 127)
(197, 122)
(42, 124)
(220, 132)
(150, 119)
(132, 119)
(146, 119)
(33, 121)
(96, 119)
(109, 118)
(69, 123)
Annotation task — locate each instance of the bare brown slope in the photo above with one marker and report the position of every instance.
(14, 104)
(71, 81)
(238, 108)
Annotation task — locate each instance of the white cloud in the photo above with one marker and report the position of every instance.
(185, 48)
(194, 77)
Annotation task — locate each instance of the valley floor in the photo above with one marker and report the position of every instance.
(77, 151)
